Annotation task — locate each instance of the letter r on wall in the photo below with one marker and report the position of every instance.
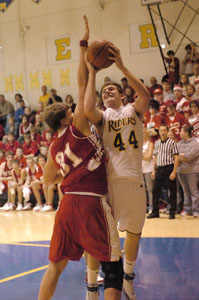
(148, 38)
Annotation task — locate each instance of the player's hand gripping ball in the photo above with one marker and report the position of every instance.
(97, 54)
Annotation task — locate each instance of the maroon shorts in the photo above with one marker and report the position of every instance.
(84, 223)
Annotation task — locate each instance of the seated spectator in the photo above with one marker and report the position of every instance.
(48, 138)
(195, 73)
(173, 67)
(2, 156)
(147, 167)
(129, 95)
(153, 121)
(40, 109)
(12, 144)
(184, 81)
(50, 195)
(194, 118)
(174, 120)
(35, 136)
(54, 97)
(5, 176)
(190, 92)
(39, 124)
(197, 91)
(99, 102)
(30, 114)
(70, 102)
(45, 96)
(12, 127)
(158, 96)
(182, 104)
(124, 84)
(28, 176)
(19, 112)
(2, 146)
(6, 110)
(37, 185)
(195, 54)
(154, 86)
(43, 150)
(1, 132)
(29, 147)
(18, 100)
(188, 172)
(24, 128)
(20, 157)
(15, 187)
(167, 92)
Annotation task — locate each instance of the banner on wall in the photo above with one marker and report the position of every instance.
(4, 4)
(62, 49)
(142, 38)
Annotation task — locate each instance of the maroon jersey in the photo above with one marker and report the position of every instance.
(6, 172)
(175, 123)
(80, 160)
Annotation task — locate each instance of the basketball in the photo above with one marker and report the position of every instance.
(97, 54)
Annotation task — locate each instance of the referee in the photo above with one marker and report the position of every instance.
(165, 165)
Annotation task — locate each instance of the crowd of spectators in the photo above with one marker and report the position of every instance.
(25, 139)
(24, 142)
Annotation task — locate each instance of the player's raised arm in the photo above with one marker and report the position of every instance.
(141, 104)
(82, 75)
(93, 114)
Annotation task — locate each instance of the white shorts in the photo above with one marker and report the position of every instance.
(128, 201)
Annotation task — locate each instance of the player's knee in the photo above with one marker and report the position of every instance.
(57, 268)
(113, 274)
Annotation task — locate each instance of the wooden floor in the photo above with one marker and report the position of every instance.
(35, 226)
(167, 267)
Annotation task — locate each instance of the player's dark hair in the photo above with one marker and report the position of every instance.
(54, 114)
(15, 161)
(188, 47)
(196, 102)
(9, 153)
(154, 104)
(41, 156)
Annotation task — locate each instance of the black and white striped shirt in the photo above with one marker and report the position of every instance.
(165, 151)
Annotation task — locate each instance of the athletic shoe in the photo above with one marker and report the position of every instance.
(185, 214)
(28, 206)
(5, 206)
(19, 206)
(38, 207)
(47, 208)
(196, 214)
(128, 289)
(92, 293)
(10, 207)
(171, 216)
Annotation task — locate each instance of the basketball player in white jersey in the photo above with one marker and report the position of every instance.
(121, 129)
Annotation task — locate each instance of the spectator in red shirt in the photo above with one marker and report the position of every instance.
(29, 147)
(24, 128)
(174, 120)
(1, 132)
(154, 86)
(19, 156)
(190, 92)
(158, 96)
(2, 146)
(35, 136)
(182, 104)
(173, 67)
(47, 138)
(12, 144)
(153, 121)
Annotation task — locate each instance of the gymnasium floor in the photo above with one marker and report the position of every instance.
(167, 267)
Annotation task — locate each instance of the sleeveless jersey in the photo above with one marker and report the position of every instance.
(31, 176)
(123, 138)
(17, 176)
(6, 170)
(80, 160)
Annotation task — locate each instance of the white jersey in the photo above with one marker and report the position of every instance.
(123, 139)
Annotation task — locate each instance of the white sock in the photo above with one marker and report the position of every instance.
(128, 266)
(92, 276)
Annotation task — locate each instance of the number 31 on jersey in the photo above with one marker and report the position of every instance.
(118, 143)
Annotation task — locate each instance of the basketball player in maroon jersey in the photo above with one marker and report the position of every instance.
(79, 158)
